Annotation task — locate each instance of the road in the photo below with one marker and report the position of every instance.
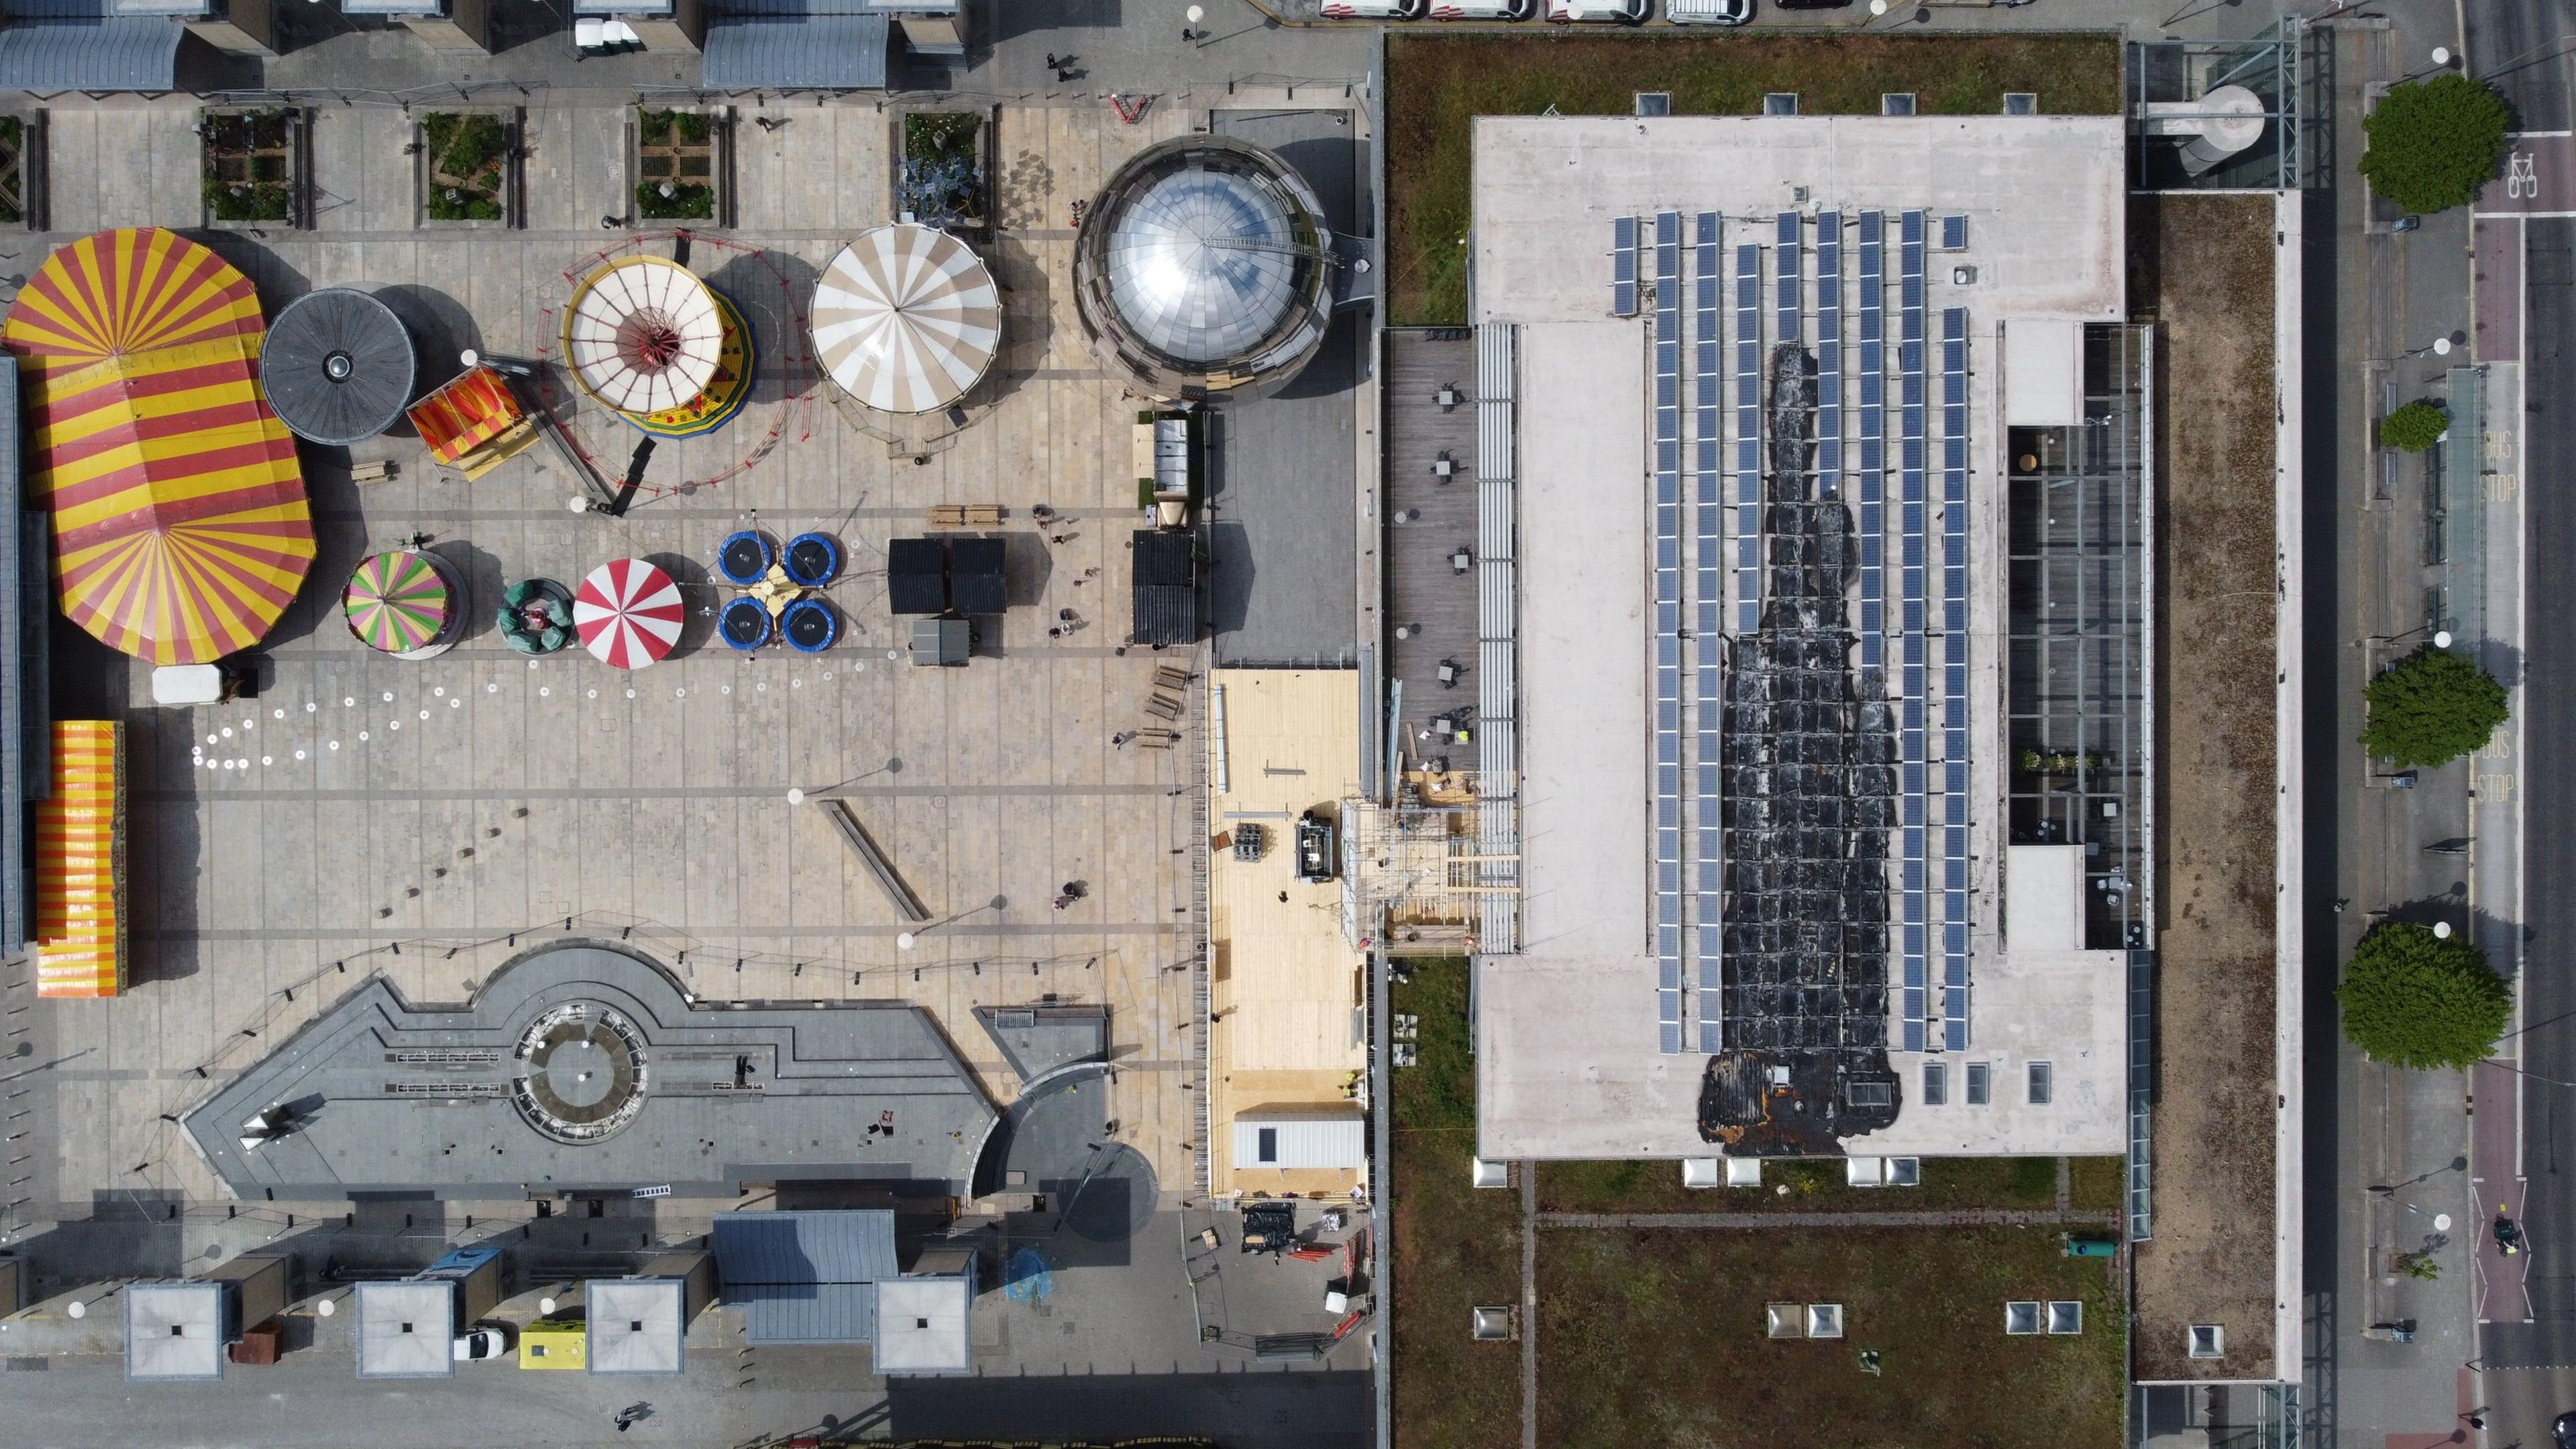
(2523, 49)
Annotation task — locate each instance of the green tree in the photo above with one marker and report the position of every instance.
(2414, 999)
(2432, 707)
(2434, 142)
(2414, 428)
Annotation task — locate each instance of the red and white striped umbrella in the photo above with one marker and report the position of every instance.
(628, 613)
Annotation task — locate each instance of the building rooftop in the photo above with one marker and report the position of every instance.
(1766, 370)
(1284, 976)
(587, 1065)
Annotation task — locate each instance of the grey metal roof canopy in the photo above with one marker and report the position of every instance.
(338, 366)
(806, 1277)
(78, 45)
(782, 45)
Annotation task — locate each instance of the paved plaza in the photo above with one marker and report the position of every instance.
(427, 820)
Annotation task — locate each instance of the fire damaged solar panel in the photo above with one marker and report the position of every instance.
(1809, 750)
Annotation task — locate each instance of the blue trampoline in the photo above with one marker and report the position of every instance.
(813, 560)
(744, 558)
(744, 624)
(810, 626)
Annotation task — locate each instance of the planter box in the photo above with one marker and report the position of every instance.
(486, 142)
(925, 143)
(686, 150)
(255, 167)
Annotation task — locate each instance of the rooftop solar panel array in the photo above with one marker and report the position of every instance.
(1709, 604)
(1790, 276)
(1668, 625)
(1872, 382)
(1623, 267)
(1954, 675)
(1911, 641)
(1748, 438)
(1829, 355)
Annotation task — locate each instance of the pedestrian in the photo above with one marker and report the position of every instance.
(1119, 740)
(1054, 62)
(1063, 901)
(2340, 903)
(633, 1414)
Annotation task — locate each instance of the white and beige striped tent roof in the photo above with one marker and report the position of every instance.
(906, 319)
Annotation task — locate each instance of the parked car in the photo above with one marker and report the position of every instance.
(2564, 1430)
(1373, 9)
(1480, 9)
(1610, 12)
(1708, 12)
(491, 1340)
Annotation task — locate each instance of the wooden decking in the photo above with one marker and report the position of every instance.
(1429, 520)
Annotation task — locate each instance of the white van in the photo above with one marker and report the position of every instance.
(1373, 9)
(1708, 12)
(1608, 12)
(1480, 9)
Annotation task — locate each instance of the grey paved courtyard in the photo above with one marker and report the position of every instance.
(462, 807)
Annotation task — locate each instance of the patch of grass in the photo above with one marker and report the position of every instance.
(237, 201)
(1437, 84)
(2099, 1184)
(1657, 1338)
(1813, 1185)
(1455, 1246)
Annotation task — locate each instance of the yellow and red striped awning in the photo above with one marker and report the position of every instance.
(80, 864)
(465, 414)
(181, 530)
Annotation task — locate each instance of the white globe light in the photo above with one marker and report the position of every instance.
(795, 796)
(906, 941)
(2441, 930)
(2441, 638)
(2441, 347)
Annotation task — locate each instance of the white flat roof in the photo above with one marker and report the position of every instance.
(406, 1329)
(921, 1325)
(635, 1325)
(174, 1331)
(1570, 1062)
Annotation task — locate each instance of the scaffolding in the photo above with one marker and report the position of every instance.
(1414, 871)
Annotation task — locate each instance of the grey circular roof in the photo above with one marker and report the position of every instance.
(338, 366)
(1202, 264)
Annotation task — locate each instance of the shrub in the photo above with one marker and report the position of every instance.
(2414, 428)
(238, 202)
(2433, 143)
(2432, 707)
(688, 201)
(465, 155)
(2412, 999)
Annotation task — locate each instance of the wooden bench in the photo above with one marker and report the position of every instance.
(965, 515)
(1163, 706)
(370, 472)
(1166, 677)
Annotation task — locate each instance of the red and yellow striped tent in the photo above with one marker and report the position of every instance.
(181, 530)
(80, 864)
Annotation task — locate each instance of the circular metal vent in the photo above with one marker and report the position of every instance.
(338, 367)
(580, 1072)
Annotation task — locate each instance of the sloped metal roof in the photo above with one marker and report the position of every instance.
(806, 1277)
(406, 1329)
(774, 48)
(72, 45)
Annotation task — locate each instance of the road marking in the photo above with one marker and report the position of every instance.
(2497, 787)
(2502, 487)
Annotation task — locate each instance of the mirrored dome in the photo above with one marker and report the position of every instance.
(1204, 267)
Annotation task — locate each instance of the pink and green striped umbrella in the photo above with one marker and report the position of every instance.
(396, 601)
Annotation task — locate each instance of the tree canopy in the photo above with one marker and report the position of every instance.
(2433, 142)
(2432, 707)
(2414, 428)
(2412, 999)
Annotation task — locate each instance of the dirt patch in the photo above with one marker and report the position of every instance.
(2210, 262)
(1456, 1246)
(1438, 84)
(1657, 1338)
